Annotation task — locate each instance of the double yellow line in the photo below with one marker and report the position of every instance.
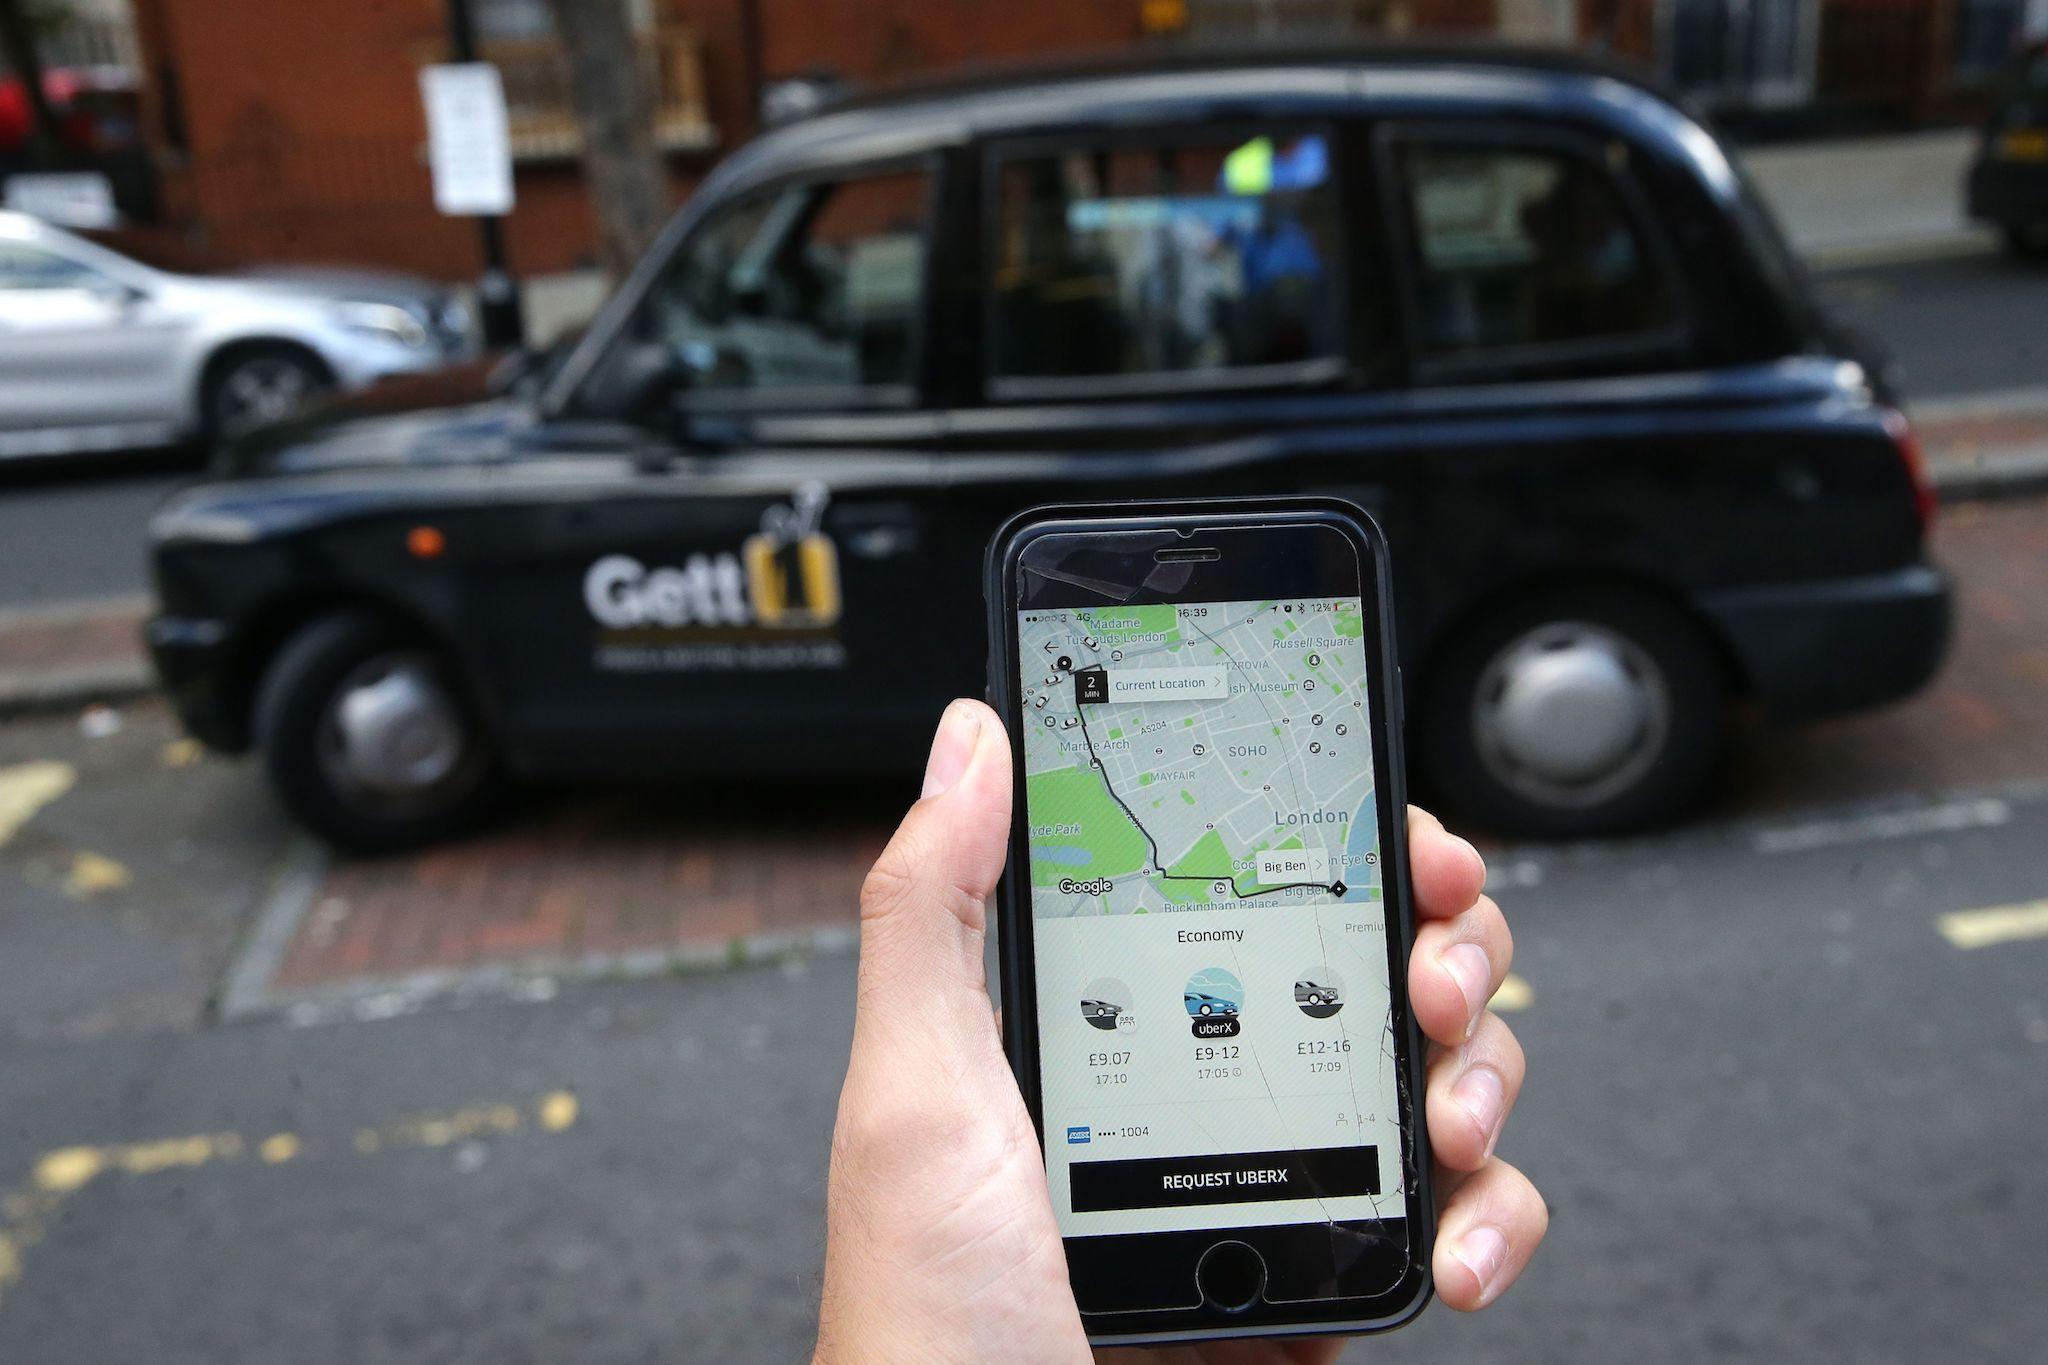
(27, 1213)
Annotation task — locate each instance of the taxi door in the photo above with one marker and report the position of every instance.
(747, 584)
(1183, 312)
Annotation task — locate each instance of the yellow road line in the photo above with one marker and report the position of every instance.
(279, 1148)
(1514, 994)
(92, 873)
(182, 753)
(1999, 924)
(26, 788)
(557, 1111)
(62, 1172)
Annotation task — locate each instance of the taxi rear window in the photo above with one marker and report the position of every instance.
(1523, 249)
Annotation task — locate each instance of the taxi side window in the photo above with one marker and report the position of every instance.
(1524, 247)
(30, 268)
(1189, 259)
(808, 288)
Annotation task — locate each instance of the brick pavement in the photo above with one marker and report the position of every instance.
(633, 882)
(68, 653)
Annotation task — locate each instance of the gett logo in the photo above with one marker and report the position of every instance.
(785, 577)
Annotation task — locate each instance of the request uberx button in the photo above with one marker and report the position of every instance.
(1233, 1178)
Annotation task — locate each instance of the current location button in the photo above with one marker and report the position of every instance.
(1229, 1178)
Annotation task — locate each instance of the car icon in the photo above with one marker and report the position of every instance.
(1202, 1005)
(1101, 1013)
(1311, 993)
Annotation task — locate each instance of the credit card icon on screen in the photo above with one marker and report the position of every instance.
(1077, 1134)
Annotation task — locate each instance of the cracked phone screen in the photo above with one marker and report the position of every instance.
(1216, 1023)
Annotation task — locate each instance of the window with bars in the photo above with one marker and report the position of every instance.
(518, 37)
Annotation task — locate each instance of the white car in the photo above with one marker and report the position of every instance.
(101, 352)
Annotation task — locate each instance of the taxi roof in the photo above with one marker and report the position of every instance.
(1153, 87)
(1108, 74)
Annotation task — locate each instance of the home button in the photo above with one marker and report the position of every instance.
(1231, 1276)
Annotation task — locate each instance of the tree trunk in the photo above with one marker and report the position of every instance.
(18, 46)
(615, 110)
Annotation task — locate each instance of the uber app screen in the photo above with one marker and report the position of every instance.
(1213, 1008)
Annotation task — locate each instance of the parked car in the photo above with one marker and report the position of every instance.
(101, 352)
(1519, 307)
(2009, 178)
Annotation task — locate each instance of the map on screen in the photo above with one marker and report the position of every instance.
(1197, 756)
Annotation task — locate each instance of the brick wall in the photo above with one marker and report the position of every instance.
(298, 134)
(868, 40)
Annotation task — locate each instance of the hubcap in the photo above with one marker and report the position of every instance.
(260, 392)
(1570, 714)
(392, 731)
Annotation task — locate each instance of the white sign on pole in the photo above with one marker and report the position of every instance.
(79, 199)
(469, 142)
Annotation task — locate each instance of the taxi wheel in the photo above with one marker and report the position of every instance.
(1581, 712)
(368, 738)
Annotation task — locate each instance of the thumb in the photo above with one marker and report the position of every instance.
(922, 909)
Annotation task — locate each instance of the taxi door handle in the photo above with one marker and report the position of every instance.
(881, 534)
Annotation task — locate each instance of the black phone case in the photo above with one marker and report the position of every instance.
(1015, 973)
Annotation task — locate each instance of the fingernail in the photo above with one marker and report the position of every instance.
(1473, 854)
(1467, 964)
(951, 748)
(1480, 1093)
(1482, 1251)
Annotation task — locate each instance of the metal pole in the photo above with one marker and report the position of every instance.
(500, 309)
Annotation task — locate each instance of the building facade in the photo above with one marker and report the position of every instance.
(289, 130)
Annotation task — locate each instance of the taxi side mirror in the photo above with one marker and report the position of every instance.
(636, 383)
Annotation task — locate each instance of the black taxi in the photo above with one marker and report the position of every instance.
(1521, 308)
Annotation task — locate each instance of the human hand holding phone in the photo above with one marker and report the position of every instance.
(941, 1239)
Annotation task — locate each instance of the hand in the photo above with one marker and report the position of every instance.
(940, 1238)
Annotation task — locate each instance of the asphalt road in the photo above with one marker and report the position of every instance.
(1965, 326)
(1968, 325)
(72, 537)
(1777, 1113)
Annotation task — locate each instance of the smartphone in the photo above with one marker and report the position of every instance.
(1205, 919)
